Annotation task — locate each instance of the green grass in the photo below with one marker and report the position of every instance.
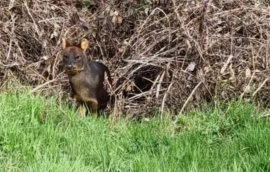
(37, 135)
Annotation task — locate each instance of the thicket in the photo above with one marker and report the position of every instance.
(163, 55)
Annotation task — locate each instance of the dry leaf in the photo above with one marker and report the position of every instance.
(248, 73)
(191, 67)
(119, 19)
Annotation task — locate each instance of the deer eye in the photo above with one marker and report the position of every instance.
(77, 57)
(65, 56)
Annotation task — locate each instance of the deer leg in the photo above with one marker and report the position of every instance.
(81, 107)
(103, 98)
(82, 110)
(93, 103)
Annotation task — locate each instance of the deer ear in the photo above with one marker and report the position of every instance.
(84, 44)
(65, 43)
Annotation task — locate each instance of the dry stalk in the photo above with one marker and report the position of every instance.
(43, 85)
(189, 97)
(260, 87)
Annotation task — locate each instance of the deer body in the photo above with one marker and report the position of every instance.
(86, 78)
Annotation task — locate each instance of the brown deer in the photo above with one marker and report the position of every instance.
(86, 77)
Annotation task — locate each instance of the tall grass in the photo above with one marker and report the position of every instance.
(38, 135)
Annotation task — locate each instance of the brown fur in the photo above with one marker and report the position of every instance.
(86, 77)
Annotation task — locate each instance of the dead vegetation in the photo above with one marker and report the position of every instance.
(166, 56)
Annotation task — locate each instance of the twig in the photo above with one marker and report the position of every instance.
(159, 84)
(260, 87)
(165, 96)
(43, 85)
(189, 97)
(226, 64)
(28, 11)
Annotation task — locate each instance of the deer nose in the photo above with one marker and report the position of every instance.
(69, 66)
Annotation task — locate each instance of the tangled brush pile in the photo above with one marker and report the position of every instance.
(166, 56)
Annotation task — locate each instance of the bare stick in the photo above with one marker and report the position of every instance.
(28, 11)
(226, 64)
(43, 85)
(165, 96)
(159, 84)
(260, 87)
(189, 97)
